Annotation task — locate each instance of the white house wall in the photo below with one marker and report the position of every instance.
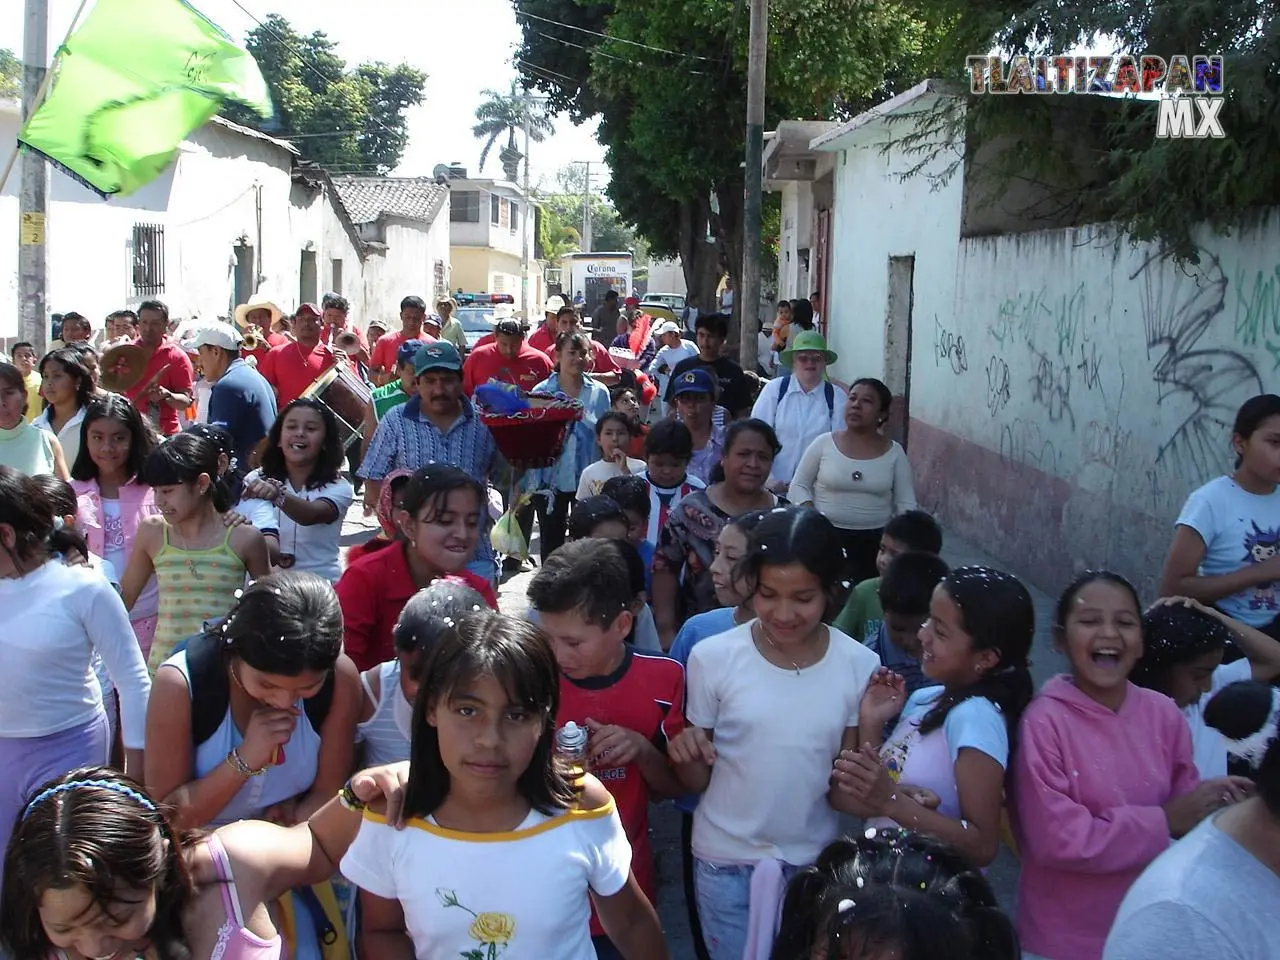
(408, 266)
(1066, 392)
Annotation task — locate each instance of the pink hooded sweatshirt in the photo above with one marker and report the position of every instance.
(1088, 787)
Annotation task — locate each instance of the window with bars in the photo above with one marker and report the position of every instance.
(464, 207)
(148, 259)
(495, 209)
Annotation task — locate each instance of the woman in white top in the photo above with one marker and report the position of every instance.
(857, 477)
(53, 618)
(67, 387)
(301, 476)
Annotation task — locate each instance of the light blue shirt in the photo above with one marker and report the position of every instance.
(580, 449)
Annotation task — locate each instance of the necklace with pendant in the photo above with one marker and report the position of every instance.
(191, 563)
(769, 640)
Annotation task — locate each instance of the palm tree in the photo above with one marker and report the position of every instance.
(505, 113)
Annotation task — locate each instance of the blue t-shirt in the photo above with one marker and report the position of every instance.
(243, 404)
(645, 549)
(896, 659)
(696, 629)
(1238, 529)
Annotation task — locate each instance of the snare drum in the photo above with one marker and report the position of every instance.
(346, 396)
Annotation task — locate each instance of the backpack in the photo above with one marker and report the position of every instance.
(211, 692)
(828, 389)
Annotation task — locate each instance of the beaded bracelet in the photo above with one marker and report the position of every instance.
(347, 797)
(236, 762)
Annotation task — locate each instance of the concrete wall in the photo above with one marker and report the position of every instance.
(1066, 392)
(794, 236)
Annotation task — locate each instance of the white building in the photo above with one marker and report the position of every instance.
(804, 177)
(487, 221)
(234, 214)
(404, 224)
(1062, 393)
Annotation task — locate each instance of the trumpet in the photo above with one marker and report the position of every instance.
(348, 342)
(250, 342)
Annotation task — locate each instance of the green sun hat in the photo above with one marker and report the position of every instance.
(807, 341)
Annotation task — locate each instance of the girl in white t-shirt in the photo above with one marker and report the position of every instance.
(301, 475)
(1182, 657)
(1226, 544)
(769, 704)
(952, 741)
(501, 855)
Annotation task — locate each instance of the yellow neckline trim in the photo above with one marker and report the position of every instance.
(504, 836)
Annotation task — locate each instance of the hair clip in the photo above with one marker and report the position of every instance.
(844, 906)
(73, 784)
(59, 523)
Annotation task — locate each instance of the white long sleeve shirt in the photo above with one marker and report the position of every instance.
(798, 418)
(51, 622)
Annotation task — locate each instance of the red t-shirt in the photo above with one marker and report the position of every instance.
(485, 363)
(645, 694)
(179, 377)
(290, 369)
(372, 591)
(388, 345)
(600, 360)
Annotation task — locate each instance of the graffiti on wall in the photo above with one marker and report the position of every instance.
(1200, 386)
(949, 348)
(1258, 311)
(998, 392)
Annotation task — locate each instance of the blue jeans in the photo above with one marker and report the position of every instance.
(724, 904)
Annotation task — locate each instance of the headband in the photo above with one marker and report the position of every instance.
(1254, 747)
(73, 784)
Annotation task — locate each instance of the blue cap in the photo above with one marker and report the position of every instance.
(408, 350)
(441, 355)
(696, 380)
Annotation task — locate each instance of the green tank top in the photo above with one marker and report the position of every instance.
(195, 586)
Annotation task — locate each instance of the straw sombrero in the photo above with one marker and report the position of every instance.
(257, 302)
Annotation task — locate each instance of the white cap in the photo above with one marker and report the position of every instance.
(212, 333)
(665, 327)
(553, 304)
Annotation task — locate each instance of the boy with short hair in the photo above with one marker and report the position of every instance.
(24, 358)
(912, 531)
(905, 592)
(613, 437)
(631, 703)
(600, 517)
(668, 450)
(632, 494)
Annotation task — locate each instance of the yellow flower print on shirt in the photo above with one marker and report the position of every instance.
(493, 931)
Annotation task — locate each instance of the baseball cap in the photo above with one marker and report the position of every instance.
(696, 380)
(553, 305)
(665, 327)
(510, 327)
(441, 355)
(408, 350)
(433, 318)
(212, 333)
(631, 302)
(310, 308)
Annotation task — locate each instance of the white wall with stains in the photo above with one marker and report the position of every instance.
(1067, 391)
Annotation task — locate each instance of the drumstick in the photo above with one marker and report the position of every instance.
(152, 382)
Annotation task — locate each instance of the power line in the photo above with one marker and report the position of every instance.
(544, 70)
(605, 36)
(609, 56)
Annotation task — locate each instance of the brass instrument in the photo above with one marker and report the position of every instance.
(251, 342)
(348, 342)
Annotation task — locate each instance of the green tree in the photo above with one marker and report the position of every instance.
(348, 120)
(608, 229)
(10, 74)
(505, 113)
(668, 83)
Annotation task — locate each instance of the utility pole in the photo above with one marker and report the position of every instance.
(528, 213)
(586, 209)
(34, 201)
(748, 296)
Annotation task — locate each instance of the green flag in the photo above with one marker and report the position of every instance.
(135, 79)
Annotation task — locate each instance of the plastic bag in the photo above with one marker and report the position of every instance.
(507, 537)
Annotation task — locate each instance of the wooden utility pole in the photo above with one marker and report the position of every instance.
(747, 297)
(33, 203)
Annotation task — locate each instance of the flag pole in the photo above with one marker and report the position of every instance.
(40, 94)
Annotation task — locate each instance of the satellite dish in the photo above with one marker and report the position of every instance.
(441, 173)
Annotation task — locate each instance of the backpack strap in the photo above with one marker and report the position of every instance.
(317, 707)
(782, 388)
(210, 692)
(831, 398)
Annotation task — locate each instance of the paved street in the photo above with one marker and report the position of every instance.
(1046, 661)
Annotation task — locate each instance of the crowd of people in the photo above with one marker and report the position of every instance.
(229, 738)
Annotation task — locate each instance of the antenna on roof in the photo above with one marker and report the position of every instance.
(441, 173)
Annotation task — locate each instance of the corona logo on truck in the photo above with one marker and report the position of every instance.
(595, 274)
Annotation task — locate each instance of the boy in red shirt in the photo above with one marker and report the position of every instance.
(632, 703)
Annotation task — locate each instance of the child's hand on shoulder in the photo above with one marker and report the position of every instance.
(692, 745)
(384, 786)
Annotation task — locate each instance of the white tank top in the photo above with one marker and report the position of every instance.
(387, 733)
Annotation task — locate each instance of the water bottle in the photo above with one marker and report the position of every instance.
(571, 746)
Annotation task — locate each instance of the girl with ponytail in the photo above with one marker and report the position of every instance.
(53, 618)
(1214, 893)
(198, 561)
(953, 740)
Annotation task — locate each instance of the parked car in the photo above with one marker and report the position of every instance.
(476, 322)
(660, 311)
